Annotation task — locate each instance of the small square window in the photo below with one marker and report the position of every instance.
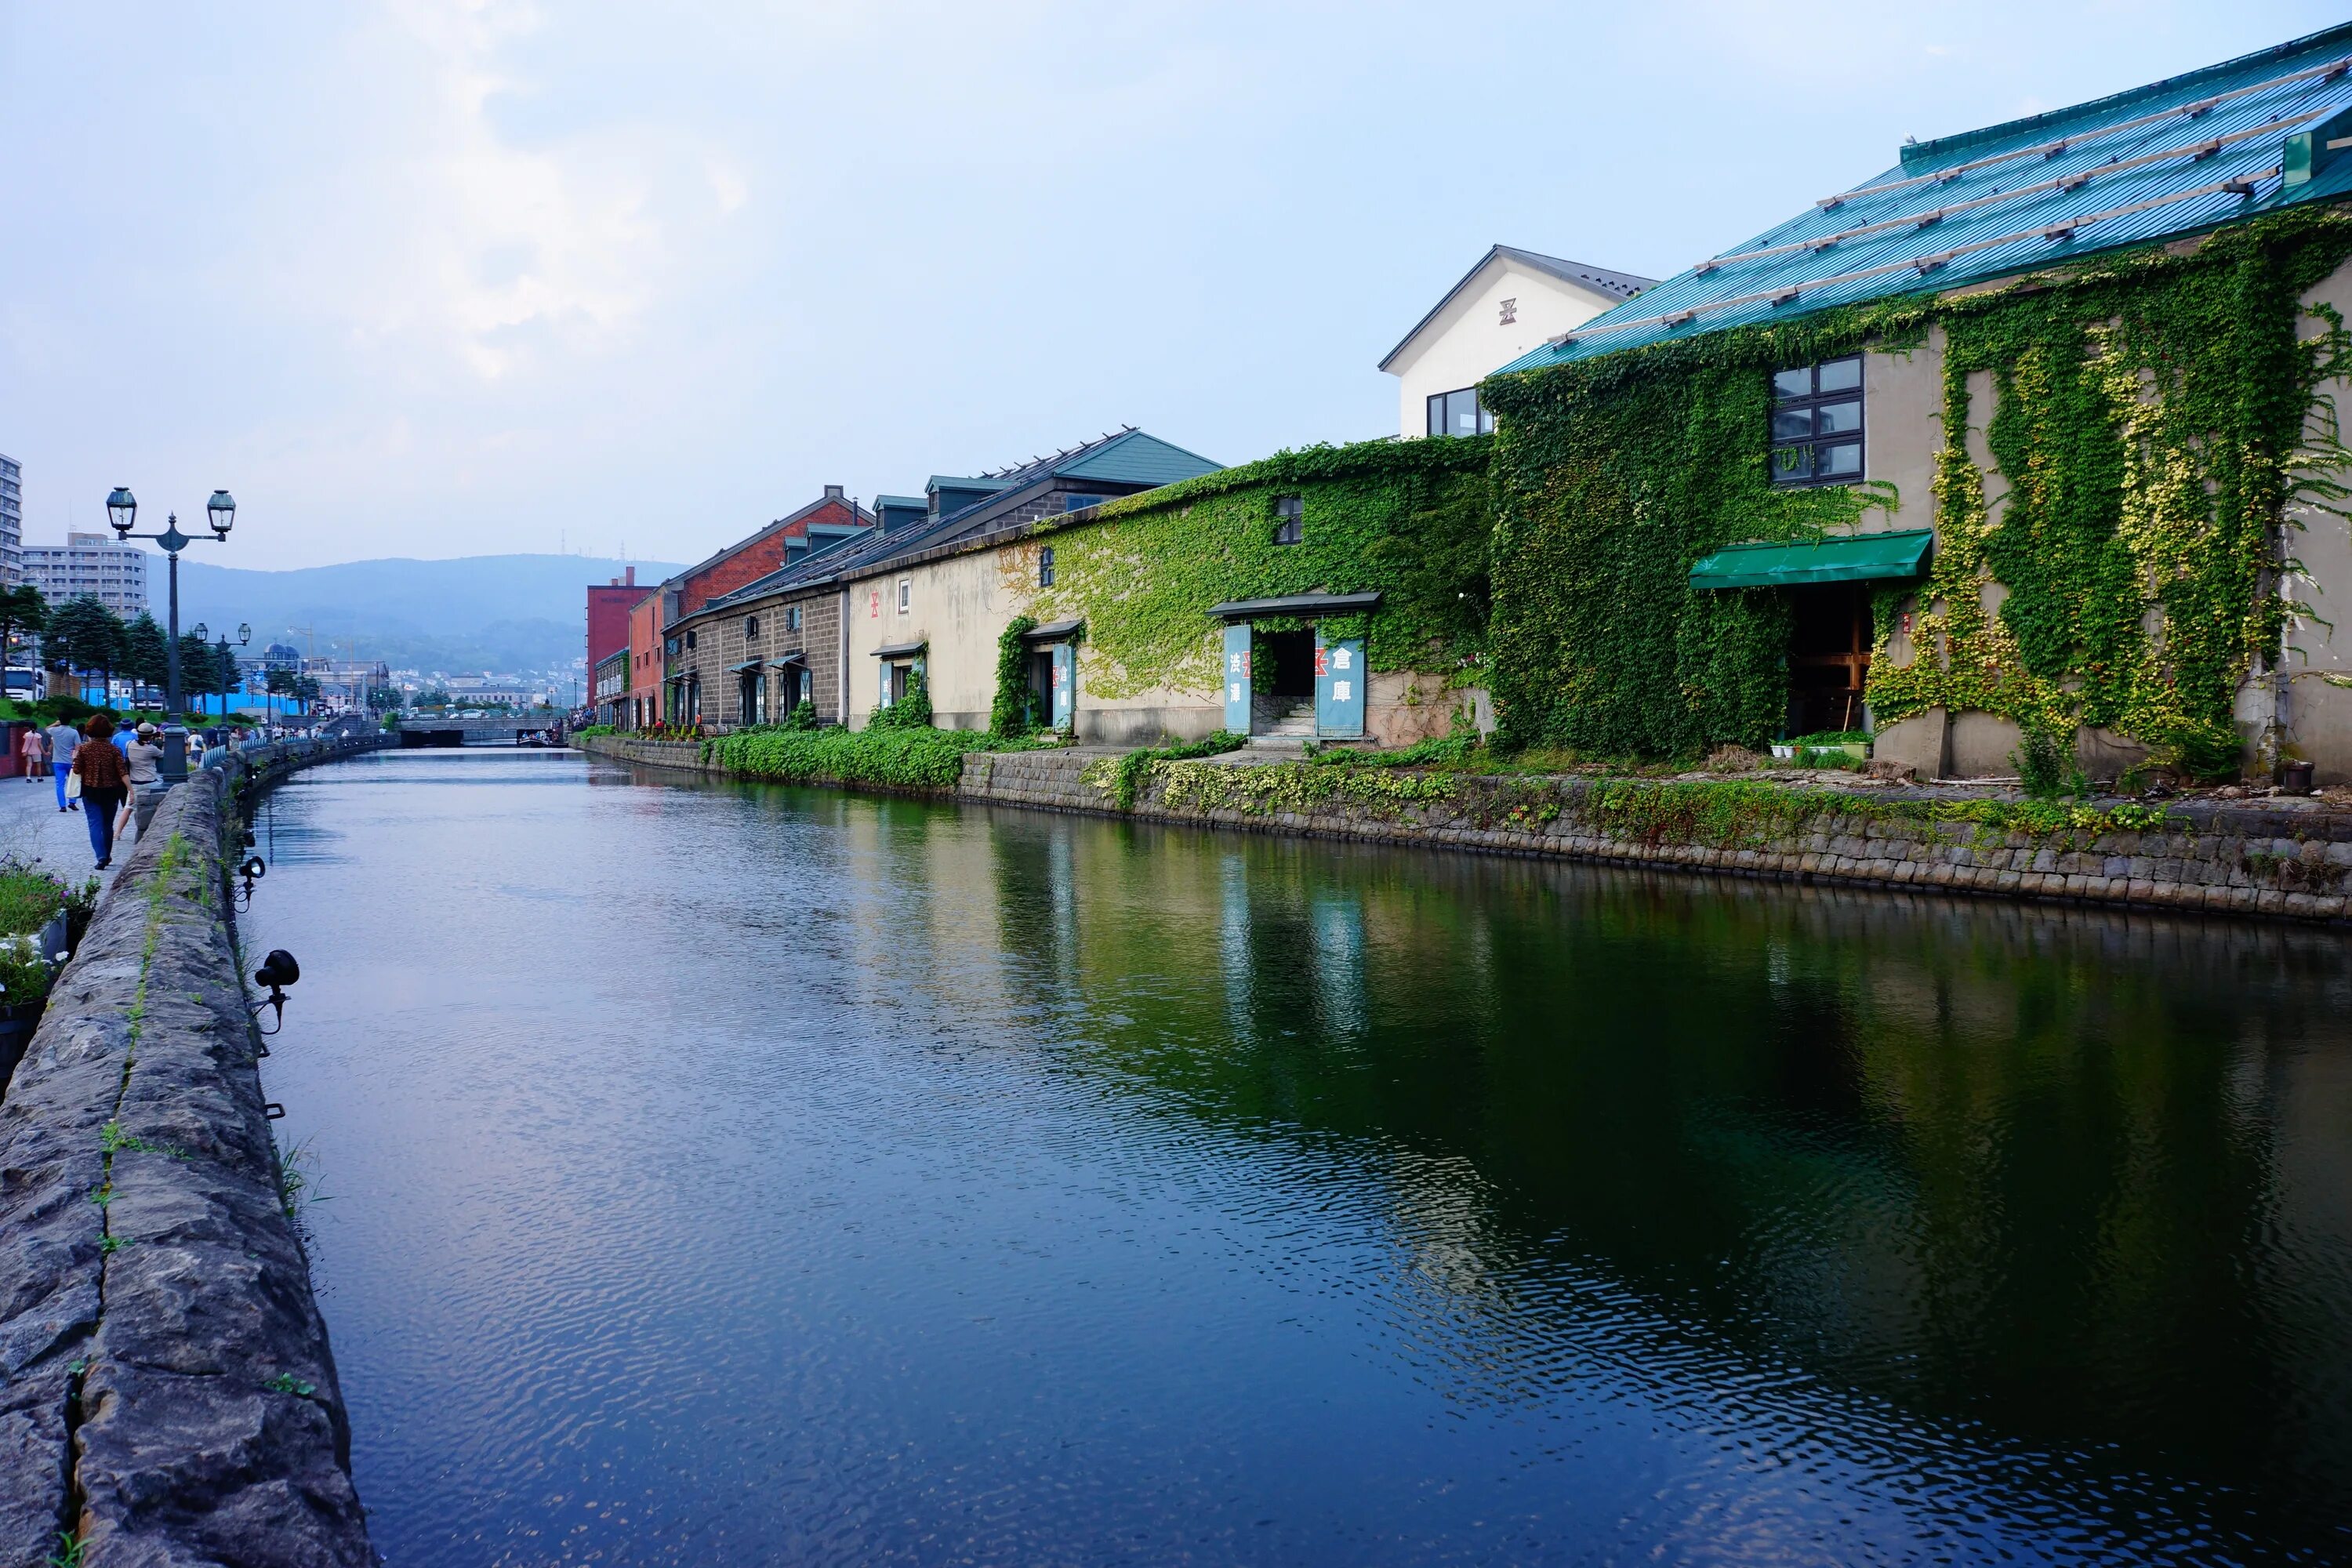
(1045, 567)
(1290, 519)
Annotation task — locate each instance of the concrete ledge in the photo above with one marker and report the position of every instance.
(167, 1394)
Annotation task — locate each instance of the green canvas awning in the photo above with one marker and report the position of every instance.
(1852, 558)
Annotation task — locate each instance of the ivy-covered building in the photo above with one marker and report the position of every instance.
(1339, 592)
(2030, 437)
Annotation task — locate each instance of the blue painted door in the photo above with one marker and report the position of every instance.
(1237, 678)
(1339, 686)
(1065, 683)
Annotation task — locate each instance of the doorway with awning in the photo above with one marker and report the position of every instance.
(1051, 653)
(1828, 583)
(1283, 677)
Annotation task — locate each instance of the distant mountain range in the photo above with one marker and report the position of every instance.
(502, 613)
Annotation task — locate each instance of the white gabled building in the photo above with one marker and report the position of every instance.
(1507, 304)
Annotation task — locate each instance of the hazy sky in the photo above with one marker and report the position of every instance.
(431, 278)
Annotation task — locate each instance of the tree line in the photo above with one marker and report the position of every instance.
(82, 636)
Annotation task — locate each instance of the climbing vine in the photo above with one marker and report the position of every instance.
(2154, 418)
(1013, 711)
(1409, 519)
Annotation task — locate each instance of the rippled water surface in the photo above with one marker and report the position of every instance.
(727, 1175)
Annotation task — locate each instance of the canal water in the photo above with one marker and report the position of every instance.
(717, 1173)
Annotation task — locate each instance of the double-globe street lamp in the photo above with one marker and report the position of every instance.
(220, 654)
(121, 511)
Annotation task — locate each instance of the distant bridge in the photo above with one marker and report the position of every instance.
(498, 730)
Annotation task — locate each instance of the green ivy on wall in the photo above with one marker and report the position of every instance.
(2147, 423)
(1408, 517)
(2154, 416)
(1013, 710)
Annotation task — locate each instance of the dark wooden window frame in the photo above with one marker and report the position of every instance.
(1290, 519)
(1801, 472)
(1044, 566)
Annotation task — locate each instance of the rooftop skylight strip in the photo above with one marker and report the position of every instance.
(2052, 149)
(1781, 293)
(1922, 219)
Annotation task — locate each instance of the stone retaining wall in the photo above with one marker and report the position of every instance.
(2289, 857)
(167, 1395)
(659, 753)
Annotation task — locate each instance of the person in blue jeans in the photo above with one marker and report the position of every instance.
(105, 786)
(63, 738)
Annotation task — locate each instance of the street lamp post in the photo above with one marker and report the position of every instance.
(121, 511)
(221, 657)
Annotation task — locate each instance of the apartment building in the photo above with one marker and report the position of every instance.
(12, 521)
(92, 564)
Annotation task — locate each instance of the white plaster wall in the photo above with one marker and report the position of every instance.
(2318, 670)
(1467, 341)
(960, 606)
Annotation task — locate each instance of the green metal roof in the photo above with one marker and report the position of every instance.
(1854, 558)
(951, 482)
(2180, 157)
(1135, 459)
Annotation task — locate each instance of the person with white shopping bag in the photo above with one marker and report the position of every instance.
(145, 754)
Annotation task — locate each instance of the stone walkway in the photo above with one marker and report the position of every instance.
(35, 832)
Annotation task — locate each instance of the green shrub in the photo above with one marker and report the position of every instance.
(29, 898)
(1134, 767)
(802, 717)
(912, 712)
(24, 975)
(900, 758)
(1014, 710)
(2045, 765)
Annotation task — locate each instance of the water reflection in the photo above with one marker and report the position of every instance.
(839, 1179)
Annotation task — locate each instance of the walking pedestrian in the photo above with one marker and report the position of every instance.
(34, 749)
(145, 755)
(105, 784)
(64, 739)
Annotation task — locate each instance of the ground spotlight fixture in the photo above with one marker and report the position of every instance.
(277, 972)
(255, 868)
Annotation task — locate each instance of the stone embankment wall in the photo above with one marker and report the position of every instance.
(659, 753)
(2283, 857)
(166, 1391)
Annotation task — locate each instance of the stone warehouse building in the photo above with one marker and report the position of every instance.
(801, 631)
(2025, 444)
(1338, 592)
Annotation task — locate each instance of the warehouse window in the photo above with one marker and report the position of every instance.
(1817, 423)
(1290, 519)
(1458, 413)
